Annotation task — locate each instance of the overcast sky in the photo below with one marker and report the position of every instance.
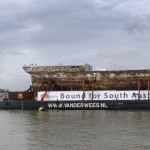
(110, 34)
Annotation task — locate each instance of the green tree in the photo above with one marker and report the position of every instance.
(4, 90)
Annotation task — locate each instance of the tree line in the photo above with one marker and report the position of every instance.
(4, 90)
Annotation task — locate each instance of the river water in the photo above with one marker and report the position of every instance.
(75, 130)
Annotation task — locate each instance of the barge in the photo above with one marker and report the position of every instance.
(81, 88)
(76, 105)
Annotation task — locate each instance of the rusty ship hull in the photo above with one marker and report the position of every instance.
(82, 77)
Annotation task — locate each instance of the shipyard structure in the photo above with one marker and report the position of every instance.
(83, 78)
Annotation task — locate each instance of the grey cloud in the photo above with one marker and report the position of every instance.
(135, 26)
(13, 52)
(103, 33)
(62, 22)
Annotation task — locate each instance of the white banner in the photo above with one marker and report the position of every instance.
(97, 95)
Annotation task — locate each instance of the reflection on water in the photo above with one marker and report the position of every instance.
(76, 130)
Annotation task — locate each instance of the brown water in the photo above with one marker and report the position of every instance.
(75, 130)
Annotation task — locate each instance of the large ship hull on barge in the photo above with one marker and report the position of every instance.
(49, 82)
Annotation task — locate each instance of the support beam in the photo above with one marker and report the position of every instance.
(83, 90)
(148, 88)
(92, 88)
(49, 83)
(39, 88)
(139, 86)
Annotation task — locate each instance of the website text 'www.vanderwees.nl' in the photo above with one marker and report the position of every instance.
(77, 105)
